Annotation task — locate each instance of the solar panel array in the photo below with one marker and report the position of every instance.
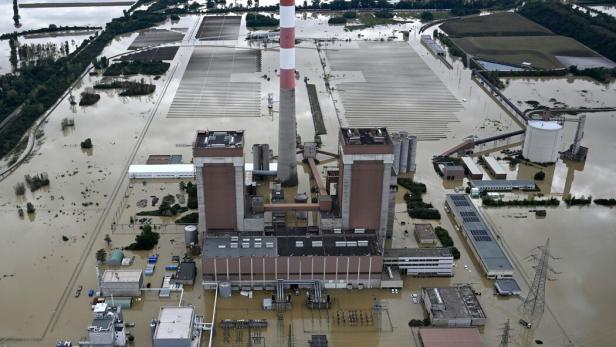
(219, 28)
(459, 200)
(480, 235)
(469, 217)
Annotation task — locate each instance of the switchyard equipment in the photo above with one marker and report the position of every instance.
(453, 307)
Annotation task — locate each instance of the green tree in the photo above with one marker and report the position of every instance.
(146, 240)
(108, 240)
(101, 256)
(426, 16)
(87, 143)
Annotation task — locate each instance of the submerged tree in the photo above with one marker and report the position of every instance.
(16, 14)
(101, 256)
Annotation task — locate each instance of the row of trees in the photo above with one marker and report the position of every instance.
(446, 241)
(39, 84)
(414, 202)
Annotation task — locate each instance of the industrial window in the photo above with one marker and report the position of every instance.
(299, 243)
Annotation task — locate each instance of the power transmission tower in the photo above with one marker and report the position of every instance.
(535, 300)
(505, 336)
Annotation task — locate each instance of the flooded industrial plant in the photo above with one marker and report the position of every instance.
(298, 176)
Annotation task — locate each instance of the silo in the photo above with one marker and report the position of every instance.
(404, 151)
(224, 290)
(411, 167)
(395, 139)
(542, 141)
(190, 234)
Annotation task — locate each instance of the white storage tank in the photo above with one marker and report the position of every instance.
(542, 141)
(190, 234)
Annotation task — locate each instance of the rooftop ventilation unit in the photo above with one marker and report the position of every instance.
(317, 243)
(351, 243)
(234, 238)
(233, 245)
(360, 230)
(341, 244)
(258, 244)
(245, 244)
(299, 243)
(337, 231)
(269, 245)
(222, 246)
(362, 243)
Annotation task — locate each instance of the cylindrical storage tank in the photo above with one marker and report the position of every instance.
(395, 139)
(190, 234)
(224, 290)
(404, 151)
(542, 141)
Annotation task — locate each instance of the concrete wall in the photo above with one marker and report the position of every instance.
(219, 195)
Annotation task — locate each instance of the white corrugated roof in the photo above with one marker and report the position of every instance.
(167, 168)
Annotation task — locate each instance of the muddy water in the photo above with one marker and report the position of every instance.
(123, 127)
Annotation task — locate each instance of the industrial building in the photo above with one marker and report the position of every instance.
(494, 168)
(472, 169)
(479, 236)
(453, 172)
(366, 157)
(502, 185)
(420, 261)
(161, 171)
(186, 273)
(176, 327)
(354, 210)
(542, 141)
(450, 337)
(335, 260)
(507, 286)
(218, 157)
(107, 328)
(453, 307)
(121, 282)
(424, 234)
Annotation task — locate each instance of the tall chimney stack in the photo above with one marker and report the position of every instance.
(287, 161)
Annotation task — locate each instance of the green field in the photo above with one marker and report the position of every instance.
(540, 51)
(498, 24)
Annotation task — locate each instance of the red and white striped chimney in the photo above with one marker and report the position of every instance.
(287, 160)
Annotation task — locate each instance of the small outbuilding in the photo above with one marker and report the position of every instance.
(424, 234)
(186, 273)
(115, 258)
(507, 286)
(453, 172)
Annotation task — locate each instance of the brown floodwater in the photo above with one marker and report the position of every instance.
(38, 282)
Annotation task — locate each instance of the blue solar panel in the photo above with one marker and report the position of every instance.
(482, 238)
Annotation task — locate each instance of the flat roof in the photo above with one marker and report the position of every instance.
(539, 124)
(328, 245)
(507, 286)
(424, 231)
(220, 139)
(174, 323)
(494, 165)
(163, 168)
(510, 184)
(451, 168)
(120, 276)
(365, 136)
(454, 303)
(450, 337)
(471, 166)
(186, 270)
(221, 246)
(417, 252)
(480, 235)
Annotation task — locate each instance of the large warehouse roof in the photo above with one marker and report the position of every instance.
(174, 323)
(478, 233)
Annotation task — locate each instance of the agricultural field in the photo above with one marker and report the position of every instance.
(541, 51)
(498, 24)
